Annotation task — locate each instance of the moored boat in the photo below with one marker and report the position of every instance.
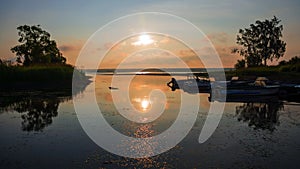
(261, 87)
(193, 84)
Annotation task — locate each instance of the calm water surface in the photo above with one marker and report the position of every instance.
(41, 130)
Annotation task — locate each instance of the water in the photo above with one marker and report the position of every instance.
(41, 130)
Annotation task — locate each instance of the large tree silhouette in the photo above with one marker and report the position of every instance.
(36, 46)
(261, 42)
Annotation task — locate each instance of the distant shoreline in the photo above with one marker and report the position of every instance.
(59, 77)
(156, 71)
(175, 70)
(271, 73)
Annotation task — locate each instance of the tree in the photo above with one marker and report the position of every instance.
(261, 42)
(240, 64)
(294, 60)
(36, 47)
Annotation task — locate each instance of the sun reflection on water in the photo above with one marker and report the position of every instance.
(145, 104)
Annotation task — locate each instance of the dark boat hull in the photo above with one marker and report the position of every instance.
(190, 85)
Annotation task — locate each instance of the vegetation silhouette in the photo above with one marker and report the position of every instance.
(286, 71)
(36, 47)
(292, 65)
(260, 43)
(40, 63)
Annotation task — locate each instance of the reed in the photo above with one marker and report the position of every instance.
(37, 73)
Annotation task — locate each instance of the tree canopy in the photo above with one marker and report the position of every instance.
(261, 42)
(36, 47)
(294, 60)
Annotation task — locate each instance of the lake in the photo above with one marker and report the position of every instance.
(40, 129)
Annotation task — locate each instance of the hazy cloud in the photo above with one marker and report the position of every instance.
(186, 52)
(66, 48)
(71, 51)
(220, 37)
(227, 57)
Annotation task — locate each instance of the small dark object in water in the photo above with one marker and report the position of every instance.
(113, 88)
(107, 162)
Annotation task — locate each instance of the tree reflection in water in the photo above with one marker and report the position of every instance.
(39, 104)
(260, 115)
(37, 113)
(37, 108)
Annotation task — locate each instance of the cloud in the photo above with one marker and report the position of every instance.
(186, 52)
(108, 45)
(151, 58)
(165, 40)
(220, 37)
(227, 57)
(66, 48)
(71, 51)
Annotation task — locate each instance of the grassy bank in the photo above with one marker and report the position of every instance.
(284, 73)
(56, 75)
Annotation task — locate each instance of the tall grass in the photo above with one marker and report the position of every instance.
(37, 73)
(281, 73)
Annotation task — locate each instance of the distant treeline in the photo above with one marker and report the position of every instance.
(292, 65)
(157, 70)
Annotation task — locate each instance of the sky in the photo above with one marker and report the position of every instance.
(72, 23)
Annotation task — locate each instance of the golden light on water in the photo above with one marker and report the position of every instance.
(145, 104)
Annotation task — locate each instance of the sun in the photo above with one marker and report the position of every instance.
(145, 104)
(143, 39)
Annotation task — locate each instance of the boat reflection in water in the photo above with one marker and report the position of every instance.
(260, 102)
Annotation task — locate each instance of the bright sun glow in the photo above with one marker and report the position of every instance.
(144, 39)
(145, 104)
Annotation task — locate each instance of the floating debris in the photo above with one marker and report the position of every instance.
(113, 88)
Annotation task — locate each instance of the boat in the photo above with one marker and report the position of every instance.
(193, 84)
(290, 92)
(260, 87)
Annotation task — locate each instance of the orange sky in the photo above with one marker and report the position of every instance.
(120, 51)
(71, 23)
